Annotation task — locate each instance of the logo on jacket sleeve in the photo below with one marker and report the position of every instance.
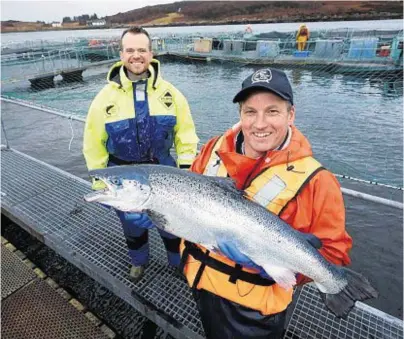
(111, 110)
(167, 99)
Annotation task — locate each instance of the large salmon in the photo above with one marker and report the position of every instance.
(204, 209)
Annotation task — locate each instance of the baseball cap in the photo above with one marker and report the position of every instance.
(271, 79)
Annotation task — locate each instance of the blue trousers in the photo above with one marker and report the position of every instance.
(138, 244)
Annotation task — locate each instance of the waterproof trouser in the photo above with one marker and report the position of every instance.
(301, 43)
(223, 319)
(138, 244)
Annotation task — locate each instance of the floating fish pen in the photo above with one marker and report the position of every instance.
(48, 202)
(331, 51)
(344, 51)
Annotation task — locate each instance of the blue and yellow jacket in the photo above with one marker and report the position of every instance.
(138, 122)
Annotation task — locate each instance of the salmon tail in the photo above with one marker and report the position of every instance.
(357, 289)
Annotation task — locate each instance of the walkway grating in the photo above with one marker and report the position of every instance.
(48, 203)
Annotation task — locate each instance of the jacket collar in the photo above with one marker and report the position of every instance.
(241, 168)
(296, 147)
(117, 76)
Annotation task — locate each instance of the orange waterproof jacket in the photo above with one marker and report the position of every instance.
(318, 208)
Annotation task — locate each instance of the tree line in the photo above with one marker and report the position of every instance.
(81, 19)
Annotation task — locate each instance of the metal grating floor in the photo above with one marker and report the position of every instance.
(173, 297)
(310, 319)
(17, 183)
(14, 273)
(88, 235)
(37, 311)
(50, 202)
(104, 246)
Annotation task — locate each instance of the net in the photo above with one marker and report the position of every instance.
(360, 70)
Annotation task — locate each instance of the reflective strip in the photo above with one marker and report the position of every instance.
(213, 167)
(186, 157)
(269, 191)
(140, 92)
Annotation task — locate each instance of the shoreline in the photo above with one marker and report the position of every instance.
(227, 23)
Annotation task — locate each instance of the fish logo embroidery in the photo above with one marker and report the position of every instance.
(111, 110)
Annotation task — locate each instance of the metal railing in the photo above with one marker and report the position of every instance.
(343, 47)
(346, 191)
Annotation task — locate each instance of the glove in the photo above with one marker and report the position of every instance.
(231, 251)
(141, 220)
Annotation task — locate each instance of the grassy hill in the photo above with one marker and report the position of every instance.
(222, 12)
(234, 12)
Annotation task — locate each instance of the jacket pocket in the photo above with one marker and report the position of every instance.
(117, 126)
(122, 139)
(164, 127)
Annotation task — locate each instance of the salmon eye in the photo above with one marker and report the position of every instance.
(115, 181)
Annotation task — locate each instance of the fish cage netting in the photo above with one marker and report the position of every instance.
(342, 69)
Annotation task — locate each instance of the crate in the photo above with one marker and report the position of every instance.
(397, 48)
(363, 48)
(267, 49)
(384, 51)
(328, 49)
(301, 54)
(234, 47)
(203, 45)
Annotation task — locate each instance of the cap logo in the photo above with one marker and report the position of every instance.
(262, 75)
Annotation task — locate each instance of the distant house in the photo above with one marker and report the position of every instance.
(98, 23)
(56, 24)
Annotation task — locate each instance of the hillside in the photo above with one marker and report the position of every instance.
(233, 12)
(222, 12)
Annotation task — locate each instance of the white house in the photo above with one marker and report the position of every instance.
(56, 24)
(100, 22)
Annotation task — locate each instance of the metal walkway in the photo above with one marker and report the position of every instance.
(31, 308)
(48, 203)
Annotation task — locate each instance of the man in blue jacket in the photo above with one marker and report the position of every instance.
(136, 118)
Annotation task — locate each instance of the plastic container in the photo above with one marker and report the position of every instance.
(328, 49)
(301, 54)
(363, 48)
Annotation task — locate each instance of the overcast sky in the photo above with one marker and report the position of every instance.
(55, 10)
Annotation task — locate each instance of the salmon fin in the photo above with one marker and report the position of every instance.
(357, 289)
(284, 277)
(158, 219)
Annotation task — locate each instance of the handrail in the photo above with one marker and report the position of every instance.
(346, 191)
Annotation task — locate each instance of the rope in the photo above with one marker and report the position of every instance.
(368, 182)
(5, 136)
(345, 191)
(71, 127)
